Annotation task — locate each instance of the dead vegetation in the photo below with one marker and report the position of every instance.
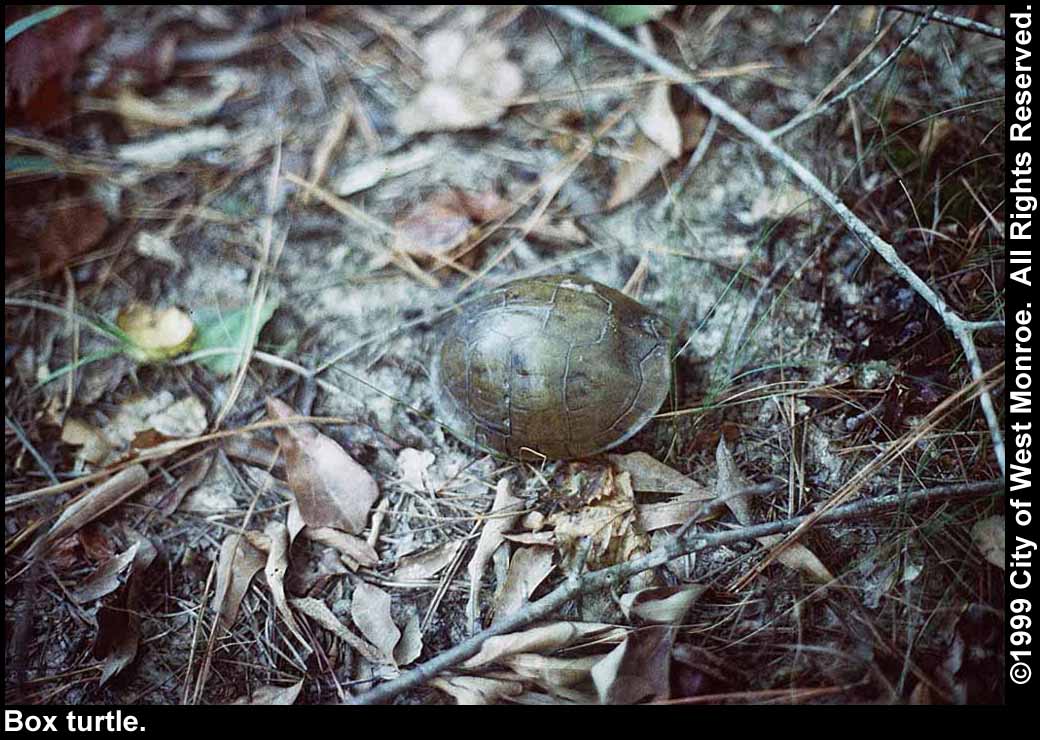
(231, 235)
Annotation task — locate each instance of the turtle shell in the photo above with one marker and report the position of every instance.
(558, 366)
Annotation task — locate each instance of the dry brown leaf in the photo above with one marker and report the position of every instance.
(238, 562)
(694, 122)
(92, 504)
(353, 547)
(650, 475)
(671, 513)
(332, 490)
(988, 535)
(119, 618)
(109, 576)
(166, 503)
(546, 538)
(370, 611)
(155, 335)
(275, 569)
(543, 639)
(470, 83)
(658, 121)
(422, 565)
(527, 569)
(637, 669)
(266, 696)
(503, 515)
(410, 646)
(294, 521)
(552, 673)
(642, 165)
(476, 690)
(435, 226)
(797, 556)
(610, 520)
(661, 605)
(320, 613)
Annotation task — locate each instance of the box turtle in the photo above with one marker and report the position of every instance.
(558, 366)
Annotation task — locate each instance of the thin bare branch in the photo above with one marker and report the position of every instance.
(959, 327)
(966, 24)
(675, 547)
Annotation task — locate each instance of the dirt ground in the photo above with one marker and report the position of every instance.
(342, 180)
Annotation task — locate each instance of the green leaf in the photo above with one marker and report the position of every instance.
(624, 16)
(228, 331)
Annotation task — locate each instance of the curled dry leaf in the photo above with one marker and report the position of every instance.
(643, 163)
(504, 512)
(470, 83)
(238, 562)
(638, 669)
(988, 535)
(92, 504)
(477, 690)
(658, 121)
(551, 673)
(661, 605)
(797, 556)
(422, 565)
(410, 646)
(543, 640)
(354, 548)
(331, 489)
(155, 335)
(527, 569)
(370, 611)
(650, 475)
(275, 569)
(107, 578)
(119, 618)
(320, 613)
(267, 696)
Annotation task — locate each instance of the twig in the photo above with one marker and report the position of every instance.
(675, 547)
(819, 27)
(812, 112)
(959, 327)
(966, 24)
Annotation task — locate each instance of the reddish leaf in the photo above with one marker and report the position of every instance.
(40, 62)
(331, 489)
